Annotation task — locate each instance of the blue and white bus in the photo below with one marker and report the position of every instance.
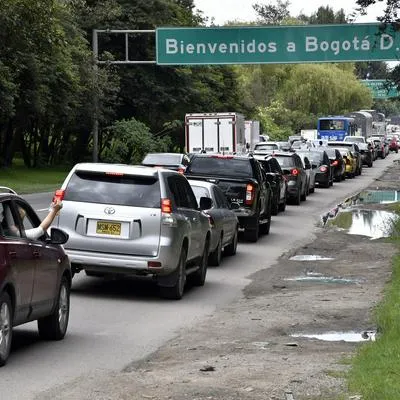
(336, 127)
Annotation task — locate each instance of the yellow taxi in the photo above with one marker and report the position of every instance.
(350, 162)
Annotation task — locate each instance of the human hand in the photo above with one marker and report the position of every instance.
(56, 205)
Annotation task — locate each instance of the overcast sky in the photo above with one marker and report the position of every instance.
(228, 10)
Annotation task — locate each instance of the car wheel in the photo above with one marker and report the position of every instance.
(230, 250)
(199, 277)
(275, 205)
(54, 326)
(175, 292)
(266, 226)
(370, 164)
(282, 206)
(252, 234)
(303, 197)
(297, 199)
(215, 257)
(5, 327)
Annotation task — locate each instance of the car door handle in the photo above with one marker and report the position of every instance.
(36, 254)
(12, 254)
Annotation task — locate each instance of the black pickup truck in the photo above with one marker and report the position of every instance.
(245, 185)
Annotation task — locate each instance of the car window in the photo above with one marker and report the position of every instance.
(162, 159)
(274, 166)
(182, 192)
(224, 166)
(285, 162)
(125, 190)
(222, 200)
(9, 221)
(29, 220)
(200, 191)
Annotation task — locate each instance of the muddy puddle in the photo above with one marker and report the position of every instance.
(350, 336)
(324, 279)
(354, 216)
(309, 257)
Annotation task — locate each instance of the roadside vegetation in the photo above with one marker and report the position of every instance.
(50, 92)
(375, 371)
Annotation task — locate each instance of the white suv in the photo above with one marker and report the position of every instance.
(135, 220)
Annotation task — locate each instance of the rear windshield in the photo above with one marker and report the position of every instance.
(264, 147)
(285, 161)
(331, 152)
(220, 166)
(356, 139)
(126, 190)
(162, 159)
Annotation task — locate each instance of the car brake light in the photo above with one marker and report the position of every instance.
(335, 163)
(249, 194)
(59, 195)
(166, 206)
(295, 172)
(222, 156)
(115, 173)
(154, 264)
(323, 168)
(181, 170)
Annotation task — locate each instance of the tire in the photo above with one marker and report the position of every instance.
(199, 277)
(297, 199)
(215, 257)
(265, 228)
(275, 205)
(175, 292)
(252, 234)
(282, 206)
(230, 250)
(303, 197)
(54, 327)
(6, 317)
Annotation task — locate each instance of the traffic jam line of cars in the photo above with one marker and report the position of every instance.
(167, 220)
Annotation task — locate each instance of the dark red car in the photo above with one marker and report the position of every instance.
(393, 143)
(35, 274)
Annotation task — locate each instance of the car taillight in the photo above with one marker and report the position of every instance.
(181, 170)
(59, 195)
(166, 206)
(335, 163)
(249, 194)
(323, 168)
(294, 171)
(154, 264)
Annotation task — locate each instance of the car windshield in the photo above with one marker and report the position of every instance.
(285, 161)
(354, 139)
(200, 191)
(162, 159)
(331, 152)
(125, 190)
(223, 166)
(263, 147)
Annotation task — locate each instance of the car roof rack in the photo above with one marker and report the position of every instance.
(5, 189)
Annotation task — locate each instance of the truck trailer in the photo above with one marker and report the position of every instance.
(215, 133)
(252, 133)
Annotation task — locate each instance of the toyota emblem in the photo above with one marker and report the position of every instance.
(109, 210)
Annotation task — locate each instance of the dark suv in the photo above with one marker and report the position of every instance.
(296, 176)
(35, 275)
(244, 182)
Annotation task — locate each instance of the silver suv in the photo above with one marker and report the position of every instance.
(135, 221)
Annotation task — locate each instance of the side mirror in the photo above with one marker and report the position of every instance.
(205, 203)
(57, 236)
(313, 166)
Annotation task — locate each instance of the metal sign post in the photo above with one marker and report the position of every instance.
(97, 62)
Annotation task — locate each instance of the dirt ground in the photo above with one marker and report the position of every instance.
(247, 350)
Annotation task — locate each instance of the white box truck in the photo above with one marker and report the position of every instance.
(252, 133)
(215, 133)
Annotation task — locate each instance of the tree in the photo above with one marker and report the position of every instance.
(273, 14)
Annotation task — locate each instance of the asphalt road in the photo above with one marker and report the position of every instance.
(114, 323)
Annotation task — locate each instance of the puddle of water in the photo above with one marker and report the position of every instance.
(372, 223)
(308, 257)
(323, 279)
(341, 336)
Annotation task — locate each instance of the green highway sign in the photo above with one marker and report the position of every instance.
(277, 44)
(381, 89)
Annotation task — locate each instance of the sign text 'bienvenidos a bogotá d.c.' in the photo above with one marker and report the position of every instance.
(278, 44)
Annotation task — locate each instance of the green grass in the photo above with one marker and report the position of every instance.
(375, 371)
(33, 180)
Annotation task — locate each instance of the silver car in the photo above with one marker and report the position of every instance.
(224, 222)
(135, 221)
